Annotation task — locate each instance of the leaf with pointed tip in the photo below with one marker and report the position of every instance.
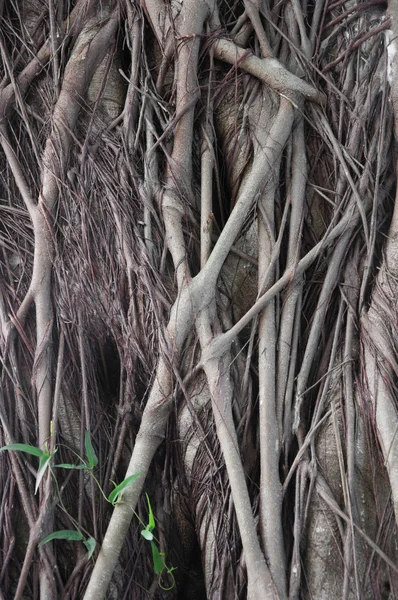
(64, 534)
(90, 452)
(44, 462)
(24, 448)
(114, 495)
(151, 524)
(69, 466)
(158, 559)
(90, 544)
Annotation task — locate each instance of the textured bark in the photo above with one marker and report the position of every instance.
(199, 266)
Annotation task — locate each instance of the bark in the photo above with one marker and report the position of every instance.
(198, 265)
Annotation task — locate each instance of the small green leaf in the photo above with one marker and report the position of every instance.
(24, 448)
(90, 452)
(90, 544)
(148, 535)
(151, 524)
(114, 495)
(64, 534)
(158, 559)
(69, 466)
(44, 462)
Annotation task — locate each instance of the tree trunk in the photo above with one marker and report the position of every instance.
(198, 283)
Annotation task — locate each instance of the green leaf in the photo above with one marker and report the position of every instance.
(64, 534)
(44, 462)
(24, 448)
(90, 544)
(69, 466)
(151, 524)
(90, 452)
(148, 535)
(114, 495)
(158, 559)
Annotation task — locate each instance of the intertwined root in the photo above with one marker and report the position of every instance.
(199, 267)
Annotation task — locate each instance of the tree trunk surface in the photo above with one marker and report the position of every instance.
(198, 299)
